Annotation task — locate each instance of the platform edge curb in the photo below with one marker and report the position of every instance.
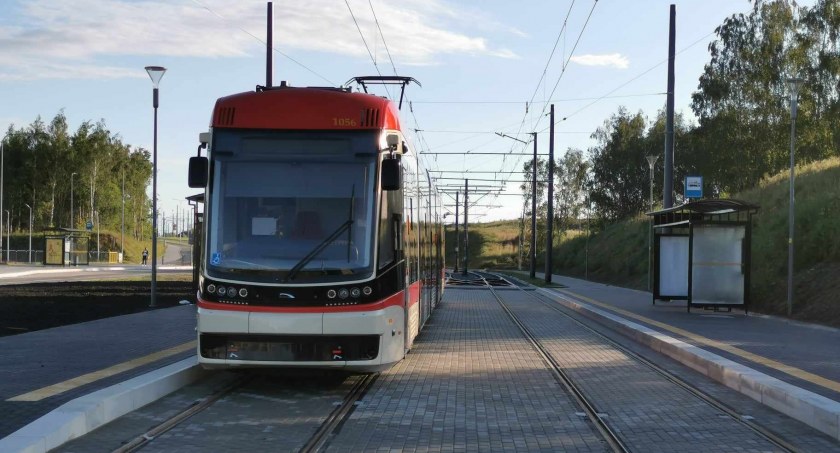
(86, 413)
(816, 411)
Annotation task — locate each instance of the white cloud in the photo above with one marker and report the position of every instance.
(615, 60)
(78, 39)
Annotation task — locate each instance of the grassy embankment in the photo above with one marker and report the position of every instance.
(618, 254)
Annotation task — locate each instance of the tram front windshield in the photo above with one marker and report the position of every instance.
(292, 207)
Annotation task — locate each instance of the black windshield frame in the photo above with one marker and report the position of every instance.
(339, 169)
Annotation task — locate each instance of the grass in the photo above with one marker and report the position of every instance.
(617, 254)
(109, 242)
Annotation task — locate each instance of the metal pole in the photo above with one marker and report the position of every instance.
(549, 240)
(2, 159)
(588, 232)
(8, 233)
(668, 184)
(122, 222)
(98, 253)
(30, 232)
(534, 212)
(521, 237)
(791, 207)
(153, 303)
(652, 164)
(269, 69)
(71, 198)
(466, 224)
(457, 233)
(650, 233)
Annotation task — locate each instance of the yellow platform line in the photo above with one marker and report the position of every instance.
(791, 370)
(70, 384)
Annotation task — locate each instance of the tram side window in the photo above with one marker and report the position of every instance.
(386, 229)
(390, 215)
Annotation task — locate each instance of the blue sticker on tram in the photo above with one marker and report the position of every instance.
(217, 258)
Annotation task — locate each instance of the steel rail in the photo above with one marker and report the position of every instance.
(562, 378)
(768, 435)
(142, 440)
(339, 414)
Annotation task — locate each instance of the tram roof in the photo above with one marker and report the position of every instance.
(311, 108)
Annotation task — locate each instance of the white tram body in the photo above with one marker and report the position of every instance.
(322, 239)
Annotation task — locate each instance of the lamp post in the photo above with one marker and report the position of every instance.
(155, 73)
(98, 255)
(2, 159)
(652, 163)
(122, 221)
(795, 83)
(30, 231)
(71, 198)
(8, 234)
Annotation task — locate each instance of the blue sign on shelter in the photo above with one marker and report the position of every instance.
(694, 187)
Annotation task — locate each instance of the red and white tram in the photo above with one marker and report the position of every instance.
(322, 244)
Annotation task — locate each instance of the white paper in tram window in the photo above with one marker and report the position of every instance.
(263, 226)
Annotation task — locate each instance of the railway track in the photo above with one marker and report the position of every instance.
(613, 440)
(317, 442)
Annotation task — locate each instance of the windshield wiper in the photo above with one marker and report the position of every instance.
(320, 247)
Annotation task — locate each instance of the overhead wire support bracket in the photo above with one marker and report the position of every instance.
(402, 81)
(500, 134)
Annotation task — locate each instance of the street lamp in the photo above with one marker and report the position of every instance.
(98, 255)
(652, 163)
(30, 232)
(122, 221)
(71, 198)
(2, 159)
(795, 83)
(155, 73)
(8, 234)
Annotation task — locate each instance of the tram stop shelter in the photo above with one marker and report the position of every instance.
(66, 246)
(701, 253)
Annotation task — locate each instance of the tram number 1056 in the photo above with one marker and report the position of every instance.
(346, 122)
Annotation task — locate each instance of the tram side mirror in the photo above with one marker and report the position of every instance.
(198, 172)
(391, 174)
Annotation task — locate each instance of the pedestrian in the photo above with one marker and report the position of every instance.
(145, 255)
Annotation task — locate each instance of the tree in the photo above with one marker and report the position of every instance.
(570, 197)
(41, 158)
(619, 168)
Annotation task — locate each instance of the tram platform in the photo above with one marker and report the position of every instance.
(471, 382)
(791, 366)
(45, 372)
(475, 382)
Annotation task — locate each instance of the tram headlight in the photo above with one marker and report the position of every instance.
(355, 292)
(231, 292)
(343, 293)
(221, 290)
(211, 288)
(367, 291)
(331, 294)
(243, 292)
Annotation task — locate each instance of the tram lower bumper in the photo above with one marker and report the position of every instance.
(289, 348)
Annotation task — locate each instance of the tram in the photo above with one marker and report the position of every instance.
(322, 245)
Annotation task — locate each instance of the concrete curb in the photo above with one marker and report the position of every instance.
(65, 270)
(814, 410)
(84, 414)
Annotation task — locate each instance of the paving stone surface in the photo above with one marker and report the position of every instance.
(471, 383)
(649, 412)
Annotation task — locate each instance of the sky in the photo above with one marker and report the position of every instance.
(485, 67)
